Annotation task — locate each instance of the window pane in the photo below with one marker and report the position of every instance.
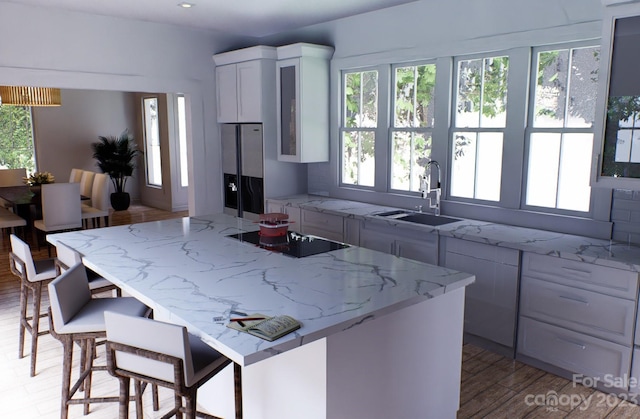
(574, 192)
(16, 138)
(542, 173)
(358, 160)
(482, 85)
(361, 99)
(561, 71)
(410, 154)
(182, 133)
(463, 169)
(584, 87)
(152, 142)
(494, 92)
(551, 88)
(489, 166)
(477, 165)
(469, 88)
(414, 104)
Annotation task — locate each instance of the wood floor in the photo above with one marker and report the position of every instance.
(492, 386)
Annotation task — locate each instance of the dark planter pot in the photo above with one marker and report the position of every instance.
(120, 201)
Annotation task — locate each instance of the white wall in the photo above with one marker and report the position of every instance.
(63, 135)
(40, 46)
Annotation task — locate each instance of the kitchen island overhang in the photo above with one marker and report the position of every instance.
(192, 274)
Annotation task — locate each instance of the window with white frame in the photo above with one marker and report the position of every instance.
(560, 136)
(413, 119)
(152, 142)
(358, 127)
(182, 142)
(478, 128)
(16, 138)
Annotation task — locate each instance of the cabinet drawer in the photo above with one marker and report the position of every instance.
(573, 351)
(584, 311)
(329, 226)
(611, 281)
(483, 251)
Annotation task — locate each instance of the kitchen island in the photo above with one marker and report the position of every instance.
(381, 336)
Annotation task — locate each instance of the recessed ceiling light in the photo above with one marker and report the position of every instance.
(186, 5)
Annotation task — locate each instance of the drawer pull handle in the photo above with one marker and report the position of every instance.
(579, 345)
(580, 272)
(575, 299)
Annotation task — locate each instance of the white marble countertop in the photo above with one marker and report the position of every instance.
(188, 268)
(567, 246)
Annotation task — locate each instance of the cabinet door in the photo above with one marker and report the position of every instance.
(425, 250)
(288, 105)
(490, 302)
(249, 91)
(377, 241)
(226, 93)
(352, 231)
(329, 226)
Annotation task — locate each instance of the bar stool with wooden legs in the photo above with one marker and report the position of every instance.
(75, 317)
(33, 275)
(166, 355)
(67, 257)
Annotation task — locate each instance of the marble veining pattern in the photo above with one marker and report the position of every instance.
(188, 268)
(584, 249)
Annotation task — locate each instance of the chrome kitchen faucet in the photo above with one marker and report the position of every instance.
(425, 186)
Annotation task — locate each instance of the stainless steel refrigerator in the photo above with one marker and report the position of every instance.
(243, 172)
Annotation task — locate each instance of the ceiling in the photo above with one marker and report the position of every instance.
(256, 18)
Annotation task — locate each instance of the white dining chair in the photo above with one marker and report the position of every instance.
(60, 208)
(166, 355)
(86, 184)
(99, 206)
(76, 175)
(9, 220)
(11, 177)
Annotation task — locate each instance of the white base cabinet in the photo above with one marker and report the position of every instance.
(579, 317)
(399, 241)
(329, 226)
(491, 302)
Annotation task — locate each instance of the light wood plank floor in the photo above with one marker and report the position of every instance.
(492, 386)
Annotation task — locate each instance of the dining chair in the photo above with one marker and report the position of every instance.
(76, 175)
(66, 258)
(99, 206)
(10, 220)
(33, 275)
(86, 184)
(76, 317)
(163, 354)
(60, 208)
(11, 177)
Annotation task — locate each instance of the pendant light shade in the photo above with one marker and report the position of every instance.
(29, 96)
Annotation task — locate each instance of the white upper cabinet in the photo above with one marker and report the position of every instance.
(240, 78)
(302, 88)
(617, 133)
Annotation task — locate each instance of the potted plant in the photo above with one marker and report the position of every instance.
(35, 180)
(116, 157)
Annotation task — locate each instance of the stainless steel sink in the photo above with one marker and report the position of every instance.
(419, 217)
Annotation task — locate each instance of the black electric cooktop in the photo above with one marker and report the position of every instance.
(292, 244)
